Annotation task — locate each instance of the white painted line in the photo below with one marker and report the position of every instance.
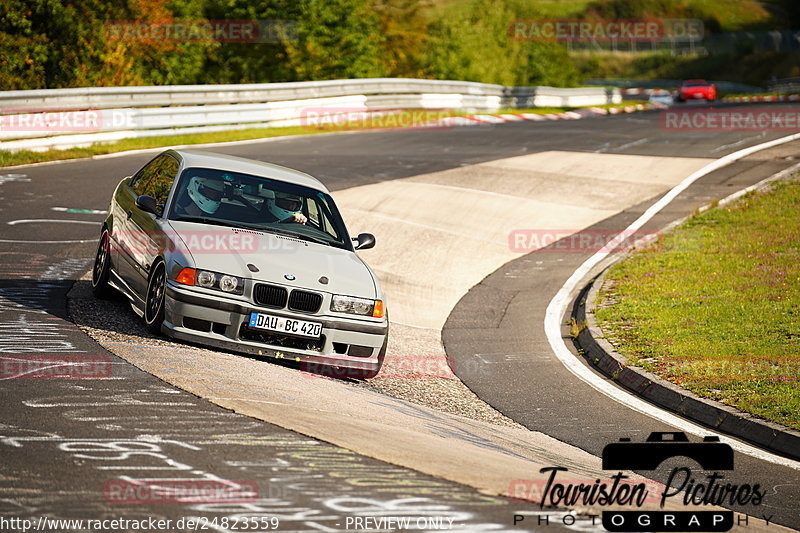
(738, 143)
(20, 241)
(50, 220)
(80, 211)
(559, 303)
(4, 178)
(632, 143)
(604, 148)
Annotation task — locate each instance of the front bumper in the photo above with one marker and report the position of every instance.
(222, 323)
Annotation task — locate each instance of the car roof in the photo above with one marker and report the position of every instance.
(203, 159)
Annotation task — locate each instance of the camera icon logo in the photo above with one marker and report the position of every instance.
(711, 454)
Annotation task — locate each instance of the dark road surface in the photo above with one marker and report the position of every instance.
(74, 448)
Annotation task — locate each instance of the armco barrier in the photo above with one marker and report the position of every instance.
(63, 118)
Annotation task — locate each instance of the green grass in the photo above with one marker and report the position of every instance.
(552, 9)
(731, 15)
(715, 305)
(737, 15)
(25, 157)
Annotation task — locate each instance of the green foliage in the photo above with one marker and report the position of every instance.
(250, 62)
(23, 53)
(46, 43)
(638, 9)
(473, 44)
(51, 43)
(336, 39)
(404, 37)
(67, 43)
(752, 69)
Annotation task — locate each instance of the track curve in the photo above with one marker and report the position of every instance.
(378, 177)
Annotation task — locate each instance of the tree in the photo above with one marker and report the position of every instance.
(404, 36)
(474, 44)
(336, 39)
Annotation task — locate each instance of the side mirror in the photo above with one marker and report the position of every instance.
(148, 204)
(364, 241)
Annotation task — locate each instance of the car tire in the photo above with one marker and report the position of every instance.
(102, 268)
(156, 297)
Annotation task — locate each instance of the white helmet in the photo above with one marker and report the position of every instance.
(206, 193)
(284, 204)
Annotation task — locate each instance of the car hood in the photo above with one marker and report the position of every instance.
(277, 258)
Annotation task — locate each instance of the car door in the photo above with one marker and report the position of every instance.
(122, 209)
(144, 235)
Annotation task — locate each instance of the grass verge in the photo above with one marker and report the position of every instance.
(715, 306)
(25, 157)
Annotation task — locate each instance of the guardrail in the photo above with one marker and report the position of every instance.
(63, 118)
(784, 85)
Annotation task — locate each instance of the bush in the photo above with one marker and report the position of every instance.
(473, 44)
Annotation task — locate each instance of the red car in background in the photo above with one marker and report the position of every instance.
(697, 89)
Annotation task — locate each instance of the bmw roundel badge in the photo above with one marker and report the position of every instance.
(289, 277)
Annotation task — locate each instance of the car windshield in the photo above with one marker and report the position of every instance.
(226, 198)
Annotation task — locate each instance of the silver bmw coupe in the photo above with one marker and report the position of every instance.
(245, 256)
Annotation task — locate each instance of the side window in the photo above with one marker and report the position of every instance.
(156, 178)
(313, 211)
(323, 213)
(160, 183)
(144, 175)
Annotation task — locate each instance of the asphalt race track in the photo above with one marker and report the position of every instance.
(66, 442)
(495, 325)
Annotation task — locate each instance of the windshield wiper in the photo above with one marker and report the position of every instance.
(296, 235)
(270, 229)
(212, 221)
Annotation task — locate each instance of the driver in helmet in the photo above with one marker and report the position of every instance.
(285, 207)
(204, 196)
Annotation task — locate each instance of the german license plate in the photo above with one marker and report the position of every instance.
(279, 324)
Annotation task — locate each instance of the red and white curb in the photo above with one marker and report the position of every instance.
(635, 91)
(765, 98)
(489, 119)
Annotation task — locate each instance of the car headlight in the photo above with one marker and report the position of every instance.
(230, 284)
(205, 279)
(211, 280)
(357, 306)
